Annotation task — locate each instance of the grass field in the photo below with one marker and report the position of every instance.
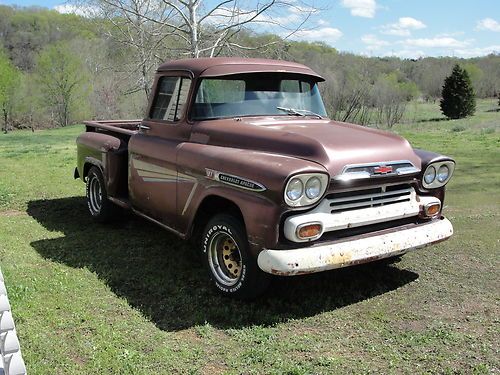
(130, 298)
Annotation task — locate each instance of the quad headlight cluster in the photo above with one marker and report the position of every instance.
(305, 189)
(438, 174)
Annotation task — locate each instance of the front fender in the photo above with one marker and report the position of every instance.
(261, 208)
(261, 216)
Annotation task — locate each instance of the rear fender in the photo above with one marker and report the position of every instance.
(106, 152)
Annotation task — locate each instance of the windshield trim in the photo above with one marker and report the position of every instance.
(313, 80)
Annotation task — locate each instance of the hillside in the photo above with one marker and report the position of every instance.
(112, 78)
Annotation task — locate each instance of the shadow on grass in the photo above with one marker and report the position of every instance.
(161, 276)
(435, 119)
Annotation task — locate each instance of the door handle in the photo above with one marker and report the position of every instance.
(143, 127)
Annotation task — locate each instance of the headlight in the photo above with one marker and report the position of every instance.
(438, 174)
(443, 173)
(295, 189)
(305, 189)
(430, 175)
(313, 188)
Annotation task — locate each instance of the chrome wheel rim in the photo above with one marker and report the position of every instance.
(224, 259)
(95, 195)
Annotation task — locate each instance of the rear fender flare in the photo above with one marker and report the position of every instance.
(88, 163)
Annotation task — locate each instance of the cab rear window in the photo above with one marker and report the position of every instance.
(170, 99)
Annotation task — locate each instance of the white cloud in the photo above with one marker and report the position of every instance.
(373, 42)
(328, 35)
(477, 51)
(403, 27)
(84, 11)
(288, 17)
(445, 42)
(488, 24)
(361, 8)
(407, 53)
(445, 35)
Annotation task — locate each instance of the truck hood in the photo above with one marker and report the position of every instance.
(329, 143)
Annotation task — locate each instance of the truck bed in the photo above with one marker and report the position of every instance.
(128, 127)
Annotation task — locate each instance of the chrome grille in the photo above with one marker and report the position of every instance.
(373, 197)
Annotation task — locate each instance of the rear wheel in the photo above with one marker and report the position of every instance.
(98, 203)
(232, 269)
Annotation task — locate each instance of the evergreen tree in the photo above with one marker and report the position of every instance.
(458, 97)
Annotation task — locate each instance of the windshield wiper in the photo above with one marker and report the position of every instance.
(298, 112)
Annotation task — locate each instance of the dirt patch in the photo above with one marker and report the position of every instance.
(214, 368)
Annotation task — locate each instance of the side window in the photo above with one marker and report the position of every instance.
(171, 97)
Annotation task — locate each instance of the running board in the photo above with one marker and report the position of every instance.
(139, 213)
(123, 203)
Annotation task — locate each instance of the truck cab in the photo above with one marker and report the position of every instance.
(240, 155)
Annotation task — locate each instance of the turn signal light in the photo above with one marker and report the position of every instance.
(432, 209)
(309, 231)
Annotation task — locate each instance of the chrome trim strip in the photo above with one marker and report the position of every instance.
(407, 170)
(149, 179)
(370, 204)
(376, 164)
(352, 176)
(357, 175)
(190, 197)
(393, 193)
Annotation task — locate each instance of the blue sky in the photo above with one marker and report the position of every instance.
(405, 28)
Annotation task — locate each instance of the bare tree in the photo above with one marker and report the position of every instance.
(157, 29)
(207, 30)
(138, 28)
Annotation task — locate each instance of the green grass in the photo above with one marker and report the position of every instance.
(131, 298)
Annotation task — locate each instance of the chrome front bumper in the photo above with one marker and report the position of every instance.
(350, 252)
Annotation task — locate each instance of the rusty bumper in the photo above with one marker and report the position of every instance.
(342, 254)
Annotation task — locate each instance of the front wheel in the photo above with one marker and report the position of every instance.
(232, 269)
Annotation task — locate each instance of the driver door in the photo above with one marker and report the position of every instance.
(153, 151)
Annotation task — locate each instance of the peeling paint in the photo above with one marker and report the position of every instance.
(358, 250)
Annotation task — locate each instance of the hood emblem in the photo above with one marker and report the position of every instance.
(382, 169)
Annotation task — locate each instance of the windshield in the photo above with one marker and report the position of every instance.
(257, 94)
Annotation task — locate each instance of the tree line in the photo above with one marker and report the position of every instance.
(57, 69)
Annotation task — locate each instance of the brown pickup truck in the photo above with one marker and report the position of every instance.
(239, 154)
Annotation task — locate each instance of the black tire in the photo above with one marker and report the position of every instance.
(231, 268)
(101, 209)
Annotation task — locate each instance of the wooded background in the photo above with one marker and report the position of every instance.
(57, 69)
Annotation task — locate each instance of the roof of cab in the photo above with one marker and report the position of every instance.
(220, 66)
